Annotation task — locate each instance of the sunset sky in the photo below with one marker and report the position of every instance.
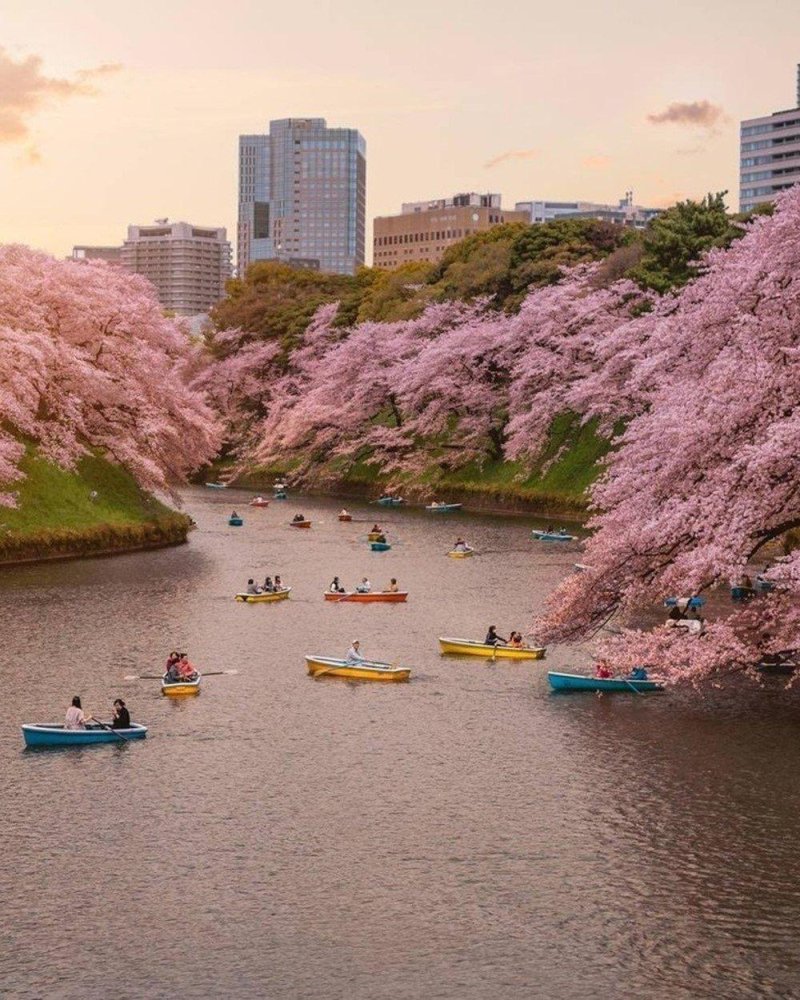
(134, 109)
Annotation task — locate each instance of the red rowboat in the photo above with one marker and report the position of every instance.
(384, 597)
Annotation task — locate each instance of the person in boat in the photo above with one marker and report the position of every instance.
(186, 672)
(493, 639)
(344, 512)
(173, 674)
(562, 531)
(75, 719)
(392, 588)
(269, 586)
(253, 587)
(234, 514)
(746, 582)
(638, 674)
(603, 671)
(549, 530)
(375, 530)
(299, 517)
(676, 614)
(336, 587)
(259, 499)
(461, 545)
(353, 653)
(364, 587)
(515, 640)
(278, 584)
(122, 717)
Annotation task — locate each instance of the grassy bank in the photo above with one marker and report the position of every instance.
(96, 510)
(556, 483)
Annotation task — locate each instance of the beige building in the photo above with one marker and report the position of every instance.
(425, 229)
(111, 255)
(188, 264)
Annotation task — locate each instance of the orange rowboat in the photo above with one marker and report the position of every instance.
(300, 524)
(384, 597)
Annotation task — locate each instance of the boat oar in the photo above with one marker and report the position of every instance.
(632, 686)
(110, 729)
(160, 677)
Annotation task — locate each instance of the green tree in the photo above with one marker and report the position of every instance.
(675, 240)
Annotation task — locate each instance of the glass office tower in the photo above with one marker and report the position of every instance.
(302, 196)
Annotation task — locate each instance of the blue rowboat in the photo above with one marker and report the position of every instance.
(742, 593)
(217, 486)
(691, 602)
(553, 536)
(579, 682)
(236, 522)
(379, 546)
(443, 508)
(280, 495)
(390, 501)
(50, 734)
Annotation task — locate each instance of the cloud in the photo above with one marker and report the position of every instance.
(512, 154)
(701, 114)
(599, 161)
(24, 90)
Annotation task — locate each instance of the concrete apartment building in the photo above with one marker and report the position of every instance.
(425, 229)
(302, 196)
(188, 264)
(624, 213)
(112, 255)
(769, 155)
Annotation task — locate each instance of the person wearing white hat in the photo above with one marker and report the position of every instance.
(353, 655)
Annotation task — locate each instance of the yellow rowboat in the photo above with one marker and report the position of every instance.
(460, 553)
(275, 595)
(470, 648)
(179, 689)
(369, 670)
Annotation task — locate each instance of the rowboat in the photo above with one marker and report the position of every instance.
(280, 495)
(687, 602)
(443, 508)
(50, 734)
(390, 501)
(217, 486)
(379, 546)
(300, 524)
(471, 648)
(236, 522)
(369, 670)
(552, 536)
(274, 595)
(259, 502)
(374, 536)
(345, 517)
(579, 682)
(378, 596)
(177, 689)
(460, 553)
(742, 593)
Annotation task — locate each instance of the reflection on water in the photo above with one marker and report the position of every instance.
(464, 836)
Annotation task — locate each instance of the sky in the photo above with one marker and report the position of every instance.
(116, 112)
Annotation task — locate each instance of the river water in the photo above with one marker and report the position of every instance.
(466, 836)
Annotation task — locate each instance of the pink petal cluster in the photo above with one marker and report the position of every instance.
(88, 361)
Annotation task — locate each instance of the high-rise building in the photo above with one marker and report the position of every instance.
(188, 264)
(302, 196)
(624, 213)
(112, 255)
(425, 229)
(769, 155)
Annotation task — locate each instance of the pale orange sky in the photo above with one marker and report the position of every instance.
(439, 90)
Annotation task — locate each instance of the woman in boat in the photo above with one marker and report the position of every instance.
(353, 654)
(603, 671)
(364, 587)
(252, 587)
(515, 640)
(336, 587)
(186, 671)
(278, 584)
(234, 514)
(392, 588)
(344, 512)
(269, 586)
(461, 545)
(173, 674)
(122, 717)
(493, 639)
(75, 719)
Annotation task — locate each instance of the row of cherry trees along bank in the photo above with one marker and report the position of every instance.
(89, 363)
(704, 380)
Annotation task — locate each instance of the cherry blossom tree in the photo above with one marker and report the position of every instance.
(89, 361)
